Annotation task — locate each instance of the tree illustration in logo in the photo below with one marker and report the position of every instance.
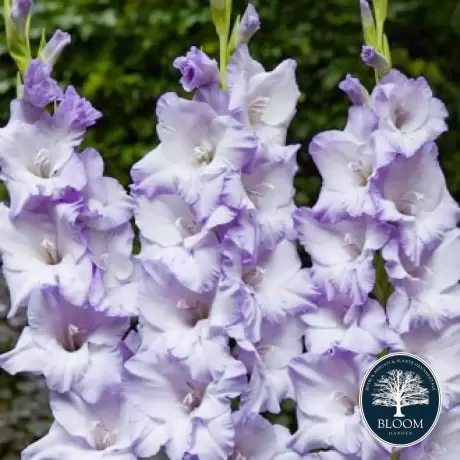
(399, 389)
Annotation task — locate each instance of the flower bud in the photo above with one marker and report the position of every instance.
(371, 57)
(367, 20)
(20, 10)
(197, 69)
(250, 24)
(53, 49)
(355, 91)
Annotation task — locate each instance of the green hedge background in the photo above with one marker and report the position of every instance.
(121, 59)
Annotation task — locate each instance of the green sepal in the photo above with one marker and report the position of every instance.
(18, 46)
(233, 42)
(386, 50)
(42, 42)
(18, 85)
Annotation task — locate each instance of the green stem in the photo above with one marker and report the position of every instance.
(223, 43)
(394, 456)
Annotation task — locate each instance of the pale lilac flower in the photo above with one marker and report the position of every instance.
(198, 149)
(113, 289)
(257, 439)
(372, 58)
(54, 47)
(108, 204)
(174, 239)
(197, 69)
(20, 11)
(409, 116)
(267, 363)
(428, 292)
(357, 328)
(327, 395)
(250, 24)
(37, 158)
(270, 188)
(441, 350)
(175, 320)
(346, 161)
(355, 91)
(108, 429)
(69, 345)
(266, 101)
(412, 193)
(44, 250)
(190, 411)
(271, 288)
(342, 254)
(39, 88)
(443, 443)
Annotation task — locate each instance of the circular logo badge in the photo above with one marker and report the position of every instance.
(400, 399)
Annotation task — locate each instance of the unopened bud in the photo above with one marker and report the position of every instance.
(53, 49)
(355, 91)
(20, 10)
(250, 24)
(371, 57)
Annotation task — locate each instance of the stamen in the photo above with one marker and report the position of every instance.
(344, 400)
(237, 455)
(42, 163)
(361, 170)
(260, 191)
(104, 261)
(187, 228)
(51, 252)
(351, 243)
(252, 276)
(263, 349)
(74, 338)
(196, 312)
(193, 399)
(408, 203)
(257, 109)
(401, 116)
(204, 153)
(102, 436)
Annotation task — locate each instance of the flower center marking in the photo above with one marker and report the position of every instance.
(351, 243)
(73, 338)
(196, 312)
(237, 455)
(257, 109)
(102, 436)
(361, 170)
(193, 398)
(52, 256)
(408, 203)
(187, 228)
(252, 276)
(401, 116)
(204, 153)
(43, 164)
(260, 191)
(345, 400)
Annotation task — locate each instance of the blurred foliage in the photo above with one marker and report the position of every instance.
(121, 59)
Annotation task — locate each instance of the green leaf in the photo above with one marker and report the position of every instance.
(386, 50)
(233, 42)
(42, 42)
